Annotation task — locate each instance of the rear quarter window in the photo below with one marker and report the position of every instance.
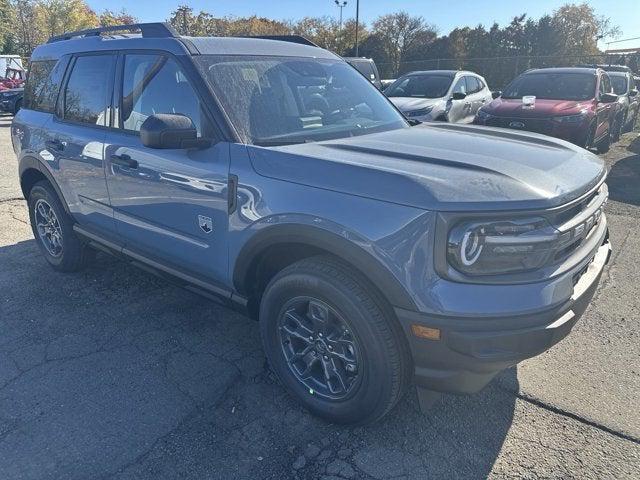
(43, 85)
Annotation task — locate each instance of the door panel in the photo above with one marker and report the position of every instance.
(169, 204)
(459, 108)
(160, 205)
(75, 142)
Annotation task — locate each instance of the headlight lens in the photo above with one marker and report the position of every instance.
(502, 246)
(419, 113)
(570, 118)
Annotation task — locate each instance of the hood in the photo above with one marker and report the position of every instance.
(408, 104)
(513, 107)
(440, 166)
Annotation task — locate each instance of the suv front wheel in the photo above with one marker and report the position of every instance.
(53, 230)
(332, 345)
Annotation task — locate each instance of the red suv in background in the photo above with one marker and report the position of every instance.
(574, 104)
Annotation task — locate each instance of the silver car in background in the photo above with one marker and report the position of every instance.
(444, 95)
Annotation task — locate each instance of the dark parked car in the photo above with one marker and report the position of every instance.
(629, 102)
(11, 100)
(574, 104)
(368, 68)
(372, 253)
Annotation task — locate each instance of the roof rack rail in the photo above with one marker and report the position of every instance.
(286, 38)
(148, 30)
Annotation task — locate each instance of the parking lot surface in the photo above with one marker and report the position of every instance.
(114, 374)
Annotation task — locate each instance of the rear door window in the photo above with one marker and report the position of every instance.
(43, 84)
(87, 92)
(157, 84)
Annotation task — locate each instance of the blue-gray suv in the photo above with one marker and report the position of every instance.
(270, 175)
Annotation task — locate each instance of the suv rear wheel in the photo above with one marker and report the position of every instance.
(333, 346)
(53, 229)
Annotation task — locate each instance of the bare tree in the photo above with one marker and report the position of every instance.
(399, 33)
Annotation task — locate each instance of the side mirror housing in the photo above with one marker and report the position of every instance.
(496, 94)
(633, 92)
(608, 98)
(168, 130)
(458, 96)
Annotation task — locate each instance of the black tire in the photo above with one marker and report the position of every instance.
(604, 145)
(17, 107)
(617, 129)
(73, 254)
(631, 124)
(383, 365)
(591, 135)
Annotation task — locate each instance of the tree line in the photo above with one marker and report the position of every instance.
(398, 42)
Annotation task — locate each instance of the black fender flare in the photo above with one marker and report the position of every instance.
(31, 163)
(325, 240)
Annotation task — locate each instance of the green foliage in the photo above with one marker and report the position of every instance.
(27, 23)
(398, 42)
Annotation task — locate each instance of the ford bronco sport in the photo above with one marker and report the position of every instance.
(274, 177)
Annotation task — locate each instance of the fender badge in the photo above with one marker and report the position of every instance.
(205, 223)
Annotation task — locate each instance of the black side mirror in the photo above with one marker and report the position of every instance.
(458, 96)
(633, 92)
(496, 94)
(608, 98)
(168, 130)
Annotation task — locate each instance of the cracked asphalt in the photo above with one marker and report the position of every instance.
(114, 374)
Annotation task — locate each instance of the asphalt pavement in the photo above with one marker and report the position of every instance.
(114, 374)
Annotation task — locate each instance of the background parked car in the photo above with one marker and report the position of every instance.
(624, 86)
(368, 68)
(445, 95)
(575, 104)
(11, 100)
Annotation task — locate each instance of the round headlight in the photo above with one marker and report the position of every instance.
(471, 246)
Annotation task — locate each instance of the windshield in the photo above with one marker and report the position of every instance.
(619, 83)
(553, 86)
(420, 86)
(287, 100)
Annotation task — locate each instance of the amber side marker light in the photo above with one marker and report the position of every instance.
(425, 332)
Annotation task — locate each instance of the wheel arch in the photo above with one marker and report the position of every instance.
(299, 241)
(31, 172)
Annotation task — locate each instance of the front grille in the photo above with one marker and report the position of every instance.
(577, 222)
(536, 125)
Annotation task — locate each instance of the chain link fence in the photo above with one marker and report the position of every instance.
(499, 71)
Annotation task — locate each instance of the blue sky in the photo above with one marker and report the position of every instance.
(624, 13)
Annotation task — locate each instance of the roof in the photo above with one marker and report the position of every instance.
(563, 70)
(449, 73)
(256, 46)
(358, 59)
(180, 46)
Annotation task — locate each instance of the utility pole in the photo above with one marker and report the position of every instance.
(183, 11)
(341, 5)
(357, 24)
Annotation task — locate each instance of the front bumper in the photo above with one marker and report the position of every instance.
(471, 351)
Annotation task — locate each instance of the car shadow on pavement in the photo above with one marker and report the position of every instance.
(112, 373)
(624, 177)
